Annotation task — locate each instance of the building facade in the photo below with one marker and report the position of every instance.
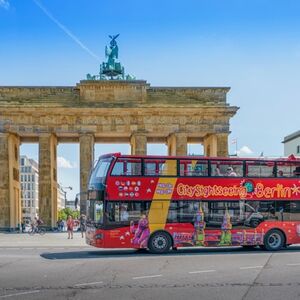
(291, 144)
(61, 197)
(103, 111)
(29, 179)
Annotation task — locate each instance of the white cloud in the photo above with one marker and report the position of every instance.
(64, 163)
(4, 4)
(245, 150)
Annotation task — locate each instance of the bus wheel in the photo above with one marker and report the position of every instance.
(160, 242)
(274, 240)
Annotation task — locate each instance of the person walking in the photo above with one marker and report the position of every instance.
(70, 226)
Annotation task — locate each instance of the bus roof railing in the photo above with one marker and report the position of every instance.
(290, 158)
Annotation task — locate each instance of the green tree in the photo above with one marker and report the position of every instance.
(65, 212)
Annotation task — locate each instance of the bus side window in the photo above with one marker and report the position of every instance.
(260, 169)
(173, 212)
(118, 169)
(296, 172)
(193, 168)
(113, 209)
(150, 167)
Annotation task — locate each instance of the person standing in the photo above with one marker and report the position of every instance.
(70, 226)
(23, 226)
(34, 224)
(82, 221)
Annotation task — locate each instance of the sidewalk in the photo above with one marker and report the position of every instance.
(48, 240)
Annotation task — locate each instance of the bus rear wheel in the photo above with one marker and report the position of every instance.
(160, 242)
(274, 240)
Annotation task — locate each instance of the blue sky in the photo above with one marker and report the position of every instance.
(253, 46)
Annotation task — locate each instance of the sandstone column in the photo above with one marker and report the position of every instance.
(216, 145)
(177, 144)
(222, 144)
(10, 200)
(48, 179)
(138, 142)
(86, 142)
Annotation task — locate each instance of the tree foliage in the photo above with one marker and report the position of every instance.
(65, 212)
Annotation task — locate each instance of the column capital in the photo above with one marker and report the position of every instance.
(222, 134)
(177, 133)
(7, 134)
(138, 133)
(47, 134)
(90, 134)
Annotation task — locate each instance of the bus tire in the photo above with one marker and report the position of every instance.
(160, 242)
(274, 240)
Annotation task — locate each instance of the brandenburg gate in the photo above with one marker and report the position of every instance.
(103, 111)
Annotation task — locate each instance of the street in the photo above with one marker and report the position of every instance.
(52, 267)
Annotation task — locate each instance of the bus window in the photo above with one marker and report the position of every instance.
(127, 167)
(260, 168)
(113, 212)
(296, 172)
(193, 168)
(282, 210)
(173, 212)
(95, 211)
(166, 167)
(150, 168)
(295, 210)
(126, 211)
(187, 211)
(232, 168)
(287, 169)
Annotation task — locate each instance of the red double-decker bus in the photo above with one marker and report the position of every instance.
(164, 202)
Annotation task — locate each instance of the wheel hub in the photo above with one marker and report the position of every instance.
(274, 240)
(160, 242)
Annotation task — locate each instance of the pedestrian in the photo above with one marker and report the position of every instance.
(39, 222)
(57, 225)
(23, 226)
(34, 224)
(82, 221)
(70, 226)
(61, 225)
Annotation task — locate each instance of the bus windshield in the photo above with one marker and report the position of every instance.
(99, 173)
